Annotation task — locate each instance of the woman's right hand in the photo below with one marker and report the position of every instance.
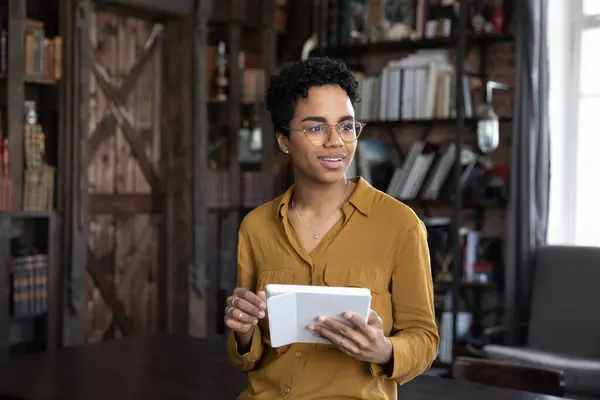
(244, 309)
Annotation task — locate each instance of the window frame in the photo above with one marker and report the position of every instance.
(578, 22)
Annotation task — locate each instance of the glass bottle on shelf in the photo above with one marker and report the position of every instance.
(244, 142)
(488, 126)
(256, 136)
(220, 77)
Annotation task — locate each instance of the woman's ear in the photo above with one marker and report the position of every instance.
(284, 142)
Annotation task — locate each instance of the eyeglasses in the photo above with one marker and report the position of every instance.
(319, 134)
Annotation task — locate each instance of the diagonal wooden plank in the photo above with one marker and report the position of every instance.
(133, 137)
(108, 294)
(104, 130)
(105, 127)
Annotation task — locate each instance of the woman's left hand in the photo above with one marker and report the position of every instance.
(364, 341)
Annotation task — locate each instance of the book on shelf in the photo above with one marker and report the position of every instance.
(43, 55)
(426, 173)
(421, 86)
(29, 286)
(38, 184)
(373, 162)
(38, 189)
(480, 255)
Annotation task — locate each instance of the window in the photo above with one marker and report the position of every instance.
(591, 7)
(587, 228)
(575, 127)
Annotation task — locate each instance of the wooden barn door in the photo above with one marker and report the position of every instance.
(134, 116)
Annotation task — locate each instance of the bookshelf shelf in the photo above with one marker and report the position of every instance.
(40, 80)
(28, 214)
(479, 204)
(35, 80)
(429, 122)
(444, 286)
(381, 48)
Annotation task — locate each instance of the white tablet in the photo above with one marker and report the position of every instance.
(291, 308)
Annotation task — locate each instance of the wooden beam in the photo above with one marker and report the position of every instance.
(269, 63)
(104, 128)
(55, 286)
(234, 41)
(124, 204)
(172, 7)
(76, 34)
(201, 297)
(75, 30)
(63, 184)
(15, 93)
(138, 148)
(108, 294)
(176, 129)
(4, 288)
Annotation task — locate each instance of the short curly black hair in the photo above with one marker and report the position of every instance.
(296, 78)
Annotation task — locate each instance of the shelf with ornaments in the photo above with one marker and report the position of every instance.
(31, 111)
(240, 53)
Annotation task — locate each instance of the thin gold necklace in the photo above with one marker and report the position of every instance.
(316, 231)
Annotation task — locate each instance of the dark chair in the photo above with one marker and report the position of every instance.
(509, 375)
(564, 327)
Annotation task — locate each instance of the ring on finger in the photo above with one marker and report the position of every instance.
(233, 301)
(240, 316)
(228, 311)
(341, 342)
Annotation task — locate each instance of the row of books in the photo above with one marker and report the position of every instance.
(29, 285)
(426, 172)
(38, 189)
(43, 55)
(253, 189)
(419, 86)
(38, 184)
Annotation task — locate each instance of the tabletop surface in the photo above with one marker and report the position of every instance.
(174, 367)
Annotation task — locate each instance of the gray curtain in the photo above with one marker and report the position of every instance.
(530, 165)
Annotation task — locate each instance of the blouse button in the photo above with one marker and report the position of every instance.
(298, 354)
(287, 390)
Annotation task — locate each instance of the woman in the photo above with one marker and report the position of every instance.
(334, 231)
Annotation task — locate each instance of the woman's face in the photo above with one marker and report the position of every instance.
(320, 155)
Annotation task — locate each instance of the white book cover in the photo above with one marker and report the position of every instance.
(292, 308)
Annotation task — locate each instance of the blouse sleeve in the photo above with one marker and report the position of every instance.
(246, 278)
(414, 336)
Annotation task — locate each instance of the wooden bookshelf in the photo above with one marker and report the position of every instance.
(467, 204)
(241, 36)
(29, 247)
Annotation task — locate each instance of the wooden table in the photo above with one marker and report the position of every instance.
(173, 367)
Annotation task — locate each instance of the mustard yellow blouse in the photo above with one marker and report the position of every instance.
(380, 244)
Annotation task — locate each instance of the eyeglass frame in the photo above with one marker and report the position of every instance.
(362, 126)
